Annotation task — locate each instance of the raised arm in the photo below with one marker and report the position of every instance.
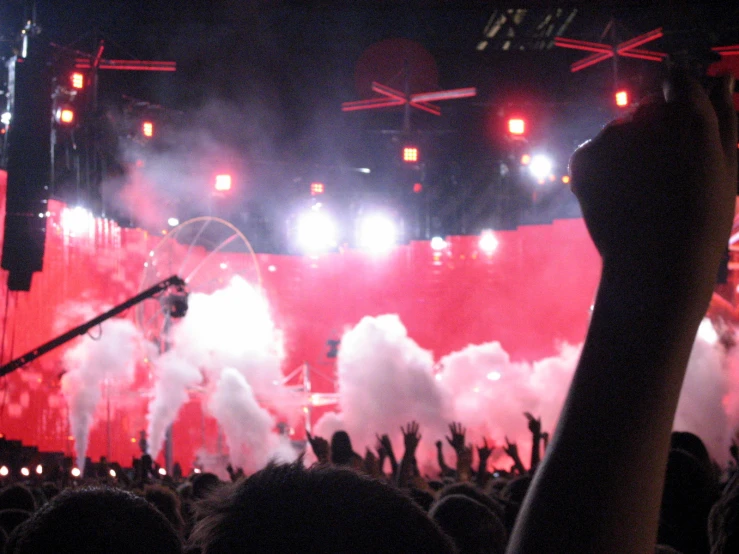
(657, 192)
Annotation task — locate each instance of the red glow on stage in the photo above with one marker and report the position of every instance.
(417, 187)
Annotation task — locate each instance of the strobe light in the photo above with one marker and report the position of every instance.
(64, 115)
(316, 231)
(540, 166)
(378, 233)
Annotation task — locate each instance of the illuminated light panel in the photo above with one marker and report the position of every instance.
(77, 221)
(540, 167)
(173, 222)
(565, 179)
(410, 154)
(488, 242)
(438, 243)
(76, 472)
(516, 126)
(316, 232)
(417, 187)
(147, 129)
(4, 471)
(78, 81)
(39, 469)
(66, 115)
(223, 182)
(526, 159)
(377, 233)
(316, 189)
(622, 98)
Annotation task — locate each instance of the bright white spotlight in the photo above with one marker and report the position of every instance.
(196, 470)
(438, 243)
(377, 233)
(25, 472)
(488, 242)
(39, 469)
(494, 375)
(112, 473)
(162, 471)
(76, 472)
(77, 221)
(173, 222)
(4, 471)
(540, 166)
(316, 231)
(5, 118)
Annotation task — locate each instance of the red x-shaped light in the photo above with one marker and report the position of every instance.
(601, 52)
(421, 100)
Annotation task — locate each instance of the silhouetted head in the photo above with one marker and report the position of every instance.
(341, 448)
(17, 496)
(287, 508)
(473, 527)
(96, 520)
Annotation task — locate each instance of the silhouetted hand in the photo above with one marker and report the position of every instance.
(320, 446)
(484, 452)
(511, 448)
(411, 437)
(384, 444)
(371, 464)
(464, 463)
(456, 441)
(534, 424)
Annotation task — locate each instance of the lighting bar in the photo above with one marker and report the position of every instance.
(388, 91)
(590, 60)
(640, 54)
(370, 104)
(127, 65)
(727, 50)
(641, 39)
(582, 45)
(443, 95)
(430, 108)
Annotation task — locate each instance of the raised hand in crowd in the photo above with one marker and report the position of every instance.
(321, 448)
(407, 467)
(445, 470)
(535, 428)
(658, 192)
(464, 464)
(483, 454)
(511, 448)
(386, 446)
(371, 464)
(456, 440)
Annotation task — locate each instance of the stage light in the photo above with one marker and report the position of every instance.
(4, 471)
(438, 243)
(173, 222)
(516, 126)
(316, 231)
(494, 375)
(410, 154)
(417, 188)
(76, 472)
(622, 98)
(540, 167)
(565, 179)
(39, 469)
(377, 233)
(223, 182)
(707, 332)
(196, 470)
(526, 159)
(488, 242)
(316, 189)
(112, 473)
(162, 471)
(64, 115)
(77, 221)
(5, 118)
(25, 472)
(78, 80)
(147, 129)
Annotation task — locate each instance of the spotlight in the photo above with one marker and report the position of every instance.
(5, 118)
(516, 126)
(147, 129)
(377, 233)
(488, 242)
(25, 472)
(39, 469)
(622, 98)
(707, 332)
(410, 154)
(223, 182)
(438, 243)
(494, 375)
(76, 221)
(196, 470)
(112, 473)
(64, 115)
(78, 80)
(162, 471)
(4, 471)
(540, 166)
(316, 231)
(316, 189)
(76, 472)
(173, 222)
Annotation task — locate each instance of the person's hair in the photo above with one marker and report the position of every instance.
(166, 501)
(95, 520)
(690, 491)
(341, 448)
(17, 496)
(203, 484)
(288, 508)
(473, 527)
(474, 493)
(12, 518)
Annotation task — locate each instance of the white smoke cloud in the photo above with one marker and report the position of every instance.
(248, 427)
(386, 380)
(175, 376)
(89, 364)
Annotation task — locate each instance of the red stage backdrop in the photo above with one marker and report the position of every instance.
(534, 291)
